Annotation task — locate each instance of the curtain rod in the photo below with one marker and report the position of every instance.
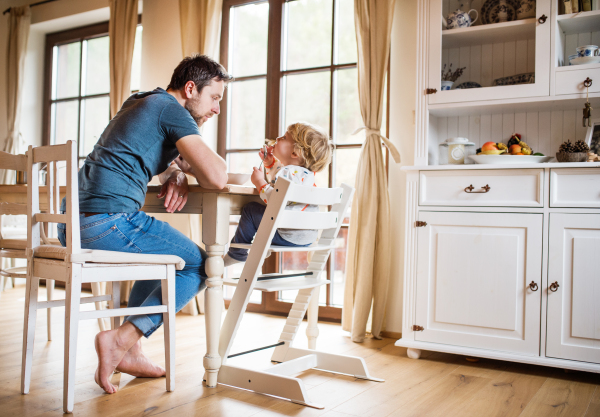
(31, 5)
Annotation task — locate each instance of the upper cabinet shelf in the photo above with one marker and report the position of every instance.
(489, 34)
(579, 22)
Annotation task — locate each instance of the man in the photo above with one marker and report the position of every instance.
(150, 131)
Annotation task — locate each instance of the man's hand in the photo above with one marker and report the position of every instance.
(176, 191)
(257, 178)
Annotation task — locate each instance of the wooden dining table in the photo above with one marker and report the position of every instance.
(216, 206)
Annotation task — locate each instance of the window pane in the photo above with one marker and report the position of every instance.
(243, 162)
(97, 76)
(346, 34)
(348, 117)
(249, 27)
(346, 164)
(247, 101)
(66, 70)
(307, 99)
(64, 123)
(94, 118)
(136, 64)
(338, 258)
(308, 33)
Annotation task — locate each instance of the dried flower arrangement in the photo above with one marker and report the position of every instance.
(451, 76)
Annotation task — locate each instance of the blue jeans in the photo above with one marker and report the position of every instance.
(139, 233)
(252, 214)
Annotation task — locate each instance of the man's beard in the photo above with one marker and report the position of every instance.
(189, 106)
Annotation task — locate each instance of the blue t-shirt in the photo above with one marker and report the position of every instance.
(138, 143)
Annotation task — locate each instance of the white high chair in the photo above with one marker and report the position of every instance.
(275, 380)
(74, 266)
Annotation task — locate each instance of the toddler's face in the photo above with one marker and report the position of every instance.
(284, 149)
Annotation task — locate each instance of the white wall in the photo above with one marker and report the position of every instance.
(402, 134)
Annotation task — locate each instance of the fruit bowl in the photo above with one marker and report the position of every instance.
(237, 179)
(509, 159)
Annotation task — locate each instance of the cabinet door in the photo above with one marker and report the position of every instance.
(488, 52)
(573, 325)
(473, 276)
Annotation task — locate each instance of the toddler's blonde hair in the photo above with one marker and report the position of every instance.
(312, 144)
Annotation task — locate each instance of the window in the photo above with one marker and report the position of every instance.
(78, 85)
(292, 61)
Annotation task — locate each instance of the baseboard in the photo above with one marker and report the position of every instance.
(391, 335)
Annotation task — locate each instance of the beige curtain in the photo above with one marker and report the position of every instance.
(121, 33)
(200, 26)
(18, 33)
(200, 32)
(369, 250)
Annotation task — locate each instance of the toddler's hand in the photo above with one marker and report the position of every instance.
(268, 159)
(257, 177)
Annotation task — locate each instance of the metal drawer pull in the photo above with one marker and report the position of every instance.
(533, 286)
(554, 286)
(470, 189)
(588, 82)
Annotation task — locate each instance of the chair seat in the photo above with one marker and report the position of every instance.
(106, 256)
(275, 248)
(281, 284)
(16, 272)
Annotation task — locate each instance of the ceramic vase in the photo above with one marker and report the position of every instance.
(447, 85)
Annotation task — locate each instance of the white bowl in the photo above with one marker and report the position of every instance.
(509, 159)
(585, 60)
(237, 179)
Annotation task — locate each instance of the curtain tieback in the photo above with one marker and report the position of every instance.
(388, 144)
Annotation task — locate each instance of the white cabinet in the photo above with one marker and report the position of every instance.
(489, 52)
(574, 303)
(473, 276)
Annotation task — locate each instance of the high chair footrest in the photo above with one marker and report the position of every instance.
(275, 248)
(282, 284)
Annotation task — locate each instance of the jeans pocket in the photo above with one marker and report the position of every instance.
(107, 236)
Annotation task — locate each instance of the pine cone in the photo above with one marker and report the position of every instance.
(566, 147)
(581, 146)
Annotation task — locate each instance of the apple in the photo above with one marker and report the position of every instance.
(489, 146)
(514, 149)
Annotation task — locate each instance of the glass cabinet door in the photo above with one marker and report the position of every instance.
(484, 58)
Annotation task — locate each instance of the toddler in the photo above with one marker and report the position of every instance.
(303, 151)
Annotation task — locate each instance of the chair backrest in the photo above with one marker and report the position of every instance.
(15, 163)
(52, 155)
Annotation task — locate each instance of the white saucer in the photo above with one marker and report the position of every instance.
(585, 60)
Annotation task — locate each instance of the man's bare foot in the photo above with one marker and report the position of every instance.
(139, 365)
(111, 347)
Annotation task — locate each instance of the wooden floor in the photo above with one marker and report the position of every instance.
(435, 385)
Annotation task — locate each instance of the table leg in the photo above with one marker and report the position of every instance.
(215, 234)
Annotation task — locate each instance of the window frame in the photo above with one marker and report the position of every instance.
(274, 78)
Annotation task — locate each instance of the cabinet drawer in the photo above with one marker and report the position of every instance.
(507, 187)
(575, 187)
(571, 82)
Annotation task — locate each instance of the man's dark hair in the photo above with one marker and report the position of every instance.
(200, 69)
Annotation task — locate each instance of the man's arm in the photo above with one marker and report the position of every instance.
(208, 167)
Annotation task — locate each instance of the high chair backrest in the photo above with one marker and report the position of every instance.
(14, 163)
(52, 155)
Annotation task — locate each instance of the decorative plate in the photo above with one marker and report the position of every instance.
(527, 78)
(489, 11)
(509, 159)
(585, 60)
(468, 84)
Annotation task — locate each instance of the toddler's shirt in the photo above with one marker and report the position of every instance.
(297, 175)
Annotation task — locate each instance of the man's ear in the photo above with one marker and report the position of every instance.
(188, 89)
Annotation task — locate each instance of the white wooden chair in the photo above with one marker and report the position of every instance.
(74, 266)
(275, 380)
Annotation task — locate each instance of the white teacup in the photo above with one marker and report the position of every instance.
(587, 50)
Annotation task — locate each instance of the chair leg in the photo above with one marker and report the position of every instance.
(72, 301)
(49, 297)
(31, 300)
(96, 291)
(312, 331)
(115, 302)
(168, 298)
